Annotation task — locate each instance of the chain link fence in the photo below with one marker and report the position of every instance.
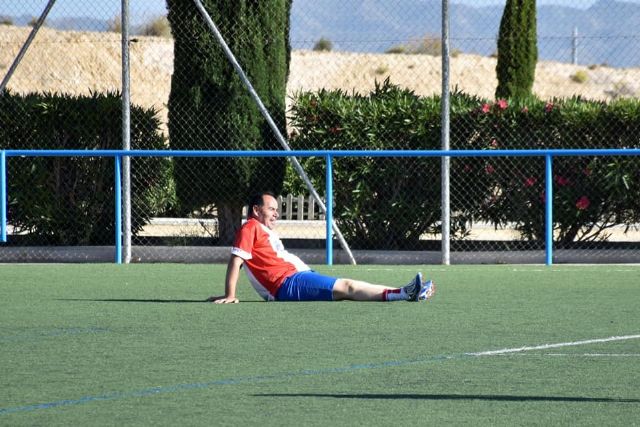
(364, 55)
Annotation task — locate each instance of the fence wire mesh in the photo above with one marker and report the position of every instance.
(340, 55)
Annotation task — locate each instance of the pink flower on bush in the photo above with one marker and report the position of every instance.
(562, 181)
(530, 182)
(548, 107)
(486, 108)
(525, 109)
(493, 143)
(502, 104)
(489, 169)
(583, 203)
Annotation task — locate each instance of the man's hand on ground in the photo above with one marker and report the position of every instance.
(223, 300)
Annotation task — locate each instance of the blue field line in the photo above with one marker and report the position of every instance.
(152, 391)
(57, 332)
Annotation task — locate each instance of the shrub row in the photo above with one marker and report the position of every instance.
(390, 203)
(380, 203)
(70, 201)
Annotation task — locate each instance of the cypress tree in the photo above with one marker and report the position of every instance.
(517, 49)
(210, 108)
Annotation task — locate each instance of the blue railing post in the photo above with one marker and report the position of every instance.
(329, 205)
(3, 196)
(548, 207)
(118, 207)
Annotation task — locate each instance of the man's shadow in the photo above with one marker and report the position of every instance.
(151, 300)
(486, 397)
(146, 300)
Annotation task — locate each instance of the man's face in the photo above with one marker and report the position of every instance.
(267, 214)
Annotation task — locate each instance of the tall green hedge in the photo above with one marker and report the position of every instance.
(517, 49)
(210, 108)
(70, 201)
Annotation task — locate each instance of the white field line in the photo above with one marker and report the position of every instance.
(556, 345)
(593, 355)
(564, 268)
(574, 355)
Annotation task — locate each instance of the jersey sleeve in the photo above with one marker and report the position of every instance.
(245, 239)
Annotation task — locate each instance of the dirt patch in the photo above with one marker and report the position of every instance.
(83, 62)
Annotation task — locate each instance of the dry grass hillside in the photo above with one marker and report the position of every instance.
(79, 62)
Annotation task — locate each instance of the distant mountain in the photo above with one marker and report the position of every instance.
(607, 31)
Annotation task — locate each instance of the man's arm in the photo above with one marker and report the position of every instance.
(230, 282)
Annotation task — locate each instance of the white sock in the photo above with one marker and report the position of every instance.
(398, 294)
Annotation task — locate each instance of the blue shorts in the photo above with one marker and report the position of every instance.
(306, 286)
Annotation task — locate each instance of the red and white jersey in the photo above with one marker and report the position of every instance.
(266, 261)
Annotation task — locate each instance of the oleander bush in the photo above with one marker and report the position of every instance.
(71, 200)
(392, 202)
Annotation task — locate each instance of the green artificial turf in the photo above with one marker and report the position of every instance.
(106, 344)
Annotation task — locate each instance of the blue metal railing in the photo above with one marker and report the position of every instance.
(327, 154)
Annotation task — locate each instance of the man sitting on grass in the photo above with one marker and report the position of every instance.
(278, 275)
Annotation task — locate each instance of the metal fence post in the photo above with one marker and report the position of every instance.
(126, 131)
(445, 161)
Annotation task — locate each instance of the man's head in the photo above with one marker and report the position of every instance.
(264, 207)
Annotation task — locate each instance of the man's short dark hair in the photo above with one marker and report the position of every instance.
(258, 200)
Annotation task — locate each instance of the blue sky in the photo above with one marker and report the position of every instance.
(144, 9)
(139, 9)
